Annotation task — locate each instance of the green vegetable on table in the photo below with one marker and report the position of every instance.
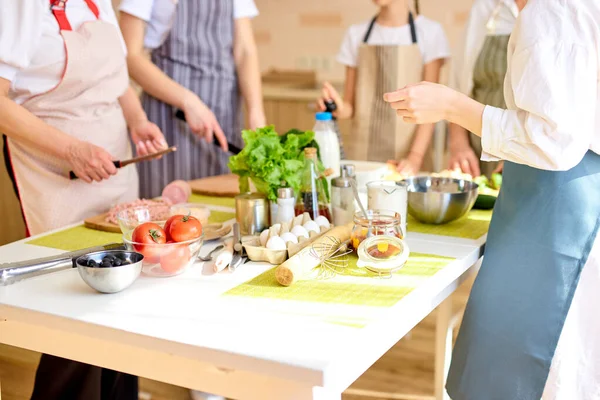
(272, 161)
(488, 190)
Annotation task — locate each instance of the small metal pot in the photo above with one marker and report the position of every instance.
(110, 279)
(252, 213)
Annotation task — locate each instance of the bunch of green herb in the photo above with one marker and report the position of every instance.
(272, 161)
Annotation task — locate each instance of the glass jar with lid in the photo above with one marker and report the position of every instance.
(376, 223)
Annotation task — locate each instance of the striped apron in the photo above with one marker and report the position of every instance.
(542, 234)
(197, 54)
(488, 86)
(377, 133)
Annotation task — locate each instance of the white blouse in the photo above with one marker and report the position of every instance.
(30, 42)
(551, 88)
(431, 40)
(160, 14)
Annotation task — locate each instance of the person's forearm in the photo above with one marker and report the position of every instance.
(422, 140)
(458, 136)
(18, 123)
(466, 112)
(155, 82)
(132, 108)
(248, 70)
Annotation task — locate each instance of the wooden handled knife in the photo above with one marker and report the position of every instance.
(124, 163)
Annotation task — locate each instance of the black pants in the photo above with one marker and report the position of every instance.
(60, 379)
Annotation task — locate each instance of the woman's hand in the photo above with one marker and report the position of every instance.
(410, 165)
(422, 103)
(147, 137)
(328, 93)
(463, 157)
(202, 121)
(499, 168)
(89, 162)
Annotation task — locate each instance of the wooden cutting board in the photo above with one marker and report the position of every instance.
(217, 186)
(211, 231)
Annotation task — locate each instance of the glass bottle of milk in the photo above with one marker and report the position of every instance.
(329, 144)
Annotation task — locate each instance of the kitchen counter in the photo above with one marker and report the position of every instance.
(239, 334)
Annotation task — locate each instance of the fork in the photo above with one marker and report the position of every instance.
(209, 257)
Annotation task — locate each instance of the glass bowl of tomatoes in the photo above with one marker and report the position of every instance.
(130, 218)
(169, 249)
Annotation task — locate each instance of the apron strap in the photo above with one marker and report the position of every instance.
(411, 23)
(58, 8)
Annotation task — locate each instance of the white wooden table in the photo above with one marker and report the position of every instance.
(182, 331)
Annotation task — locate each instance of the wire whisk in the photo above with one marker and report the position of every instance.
(332, 255)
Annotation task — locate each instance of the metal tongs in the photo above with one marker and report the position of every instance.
(18, 271)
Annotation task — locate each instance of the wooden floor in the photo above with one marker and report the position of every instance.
(406, 368)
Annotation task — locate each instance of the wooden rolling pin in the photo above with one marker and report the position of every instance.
(302, 263)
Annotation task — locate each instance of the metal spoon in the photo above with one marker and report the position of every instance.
(209, 257)
(360, 205)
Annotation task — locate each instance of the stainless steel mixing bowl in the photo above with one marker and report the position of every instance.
(440, 200)
(110, 279)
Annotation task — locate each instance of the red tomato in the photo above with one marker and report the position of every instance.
(148, 238)
(169, 223)
(185, 228)
(176, 259)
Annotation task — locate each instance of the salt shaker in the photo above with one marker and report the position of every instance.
(285, 205)
(342, 196)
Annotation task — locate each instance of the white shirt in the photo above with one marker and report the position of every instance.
(30, 42)
(431, 39)
(160, 14)
(476, 30)
(551, 88)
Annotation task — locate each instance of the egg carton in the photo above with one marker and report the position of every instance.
(256, 250)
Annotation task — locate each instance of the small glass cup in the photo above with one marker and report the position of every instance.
(378, 223)
(389, 195)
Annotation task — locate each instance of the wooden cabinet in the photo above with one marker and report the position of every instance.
(11, 218)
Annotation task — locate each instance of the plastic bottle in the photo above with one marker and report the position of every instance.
(329, 144)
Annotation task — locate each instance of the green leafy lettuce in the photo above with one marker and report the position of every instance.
(272, 161)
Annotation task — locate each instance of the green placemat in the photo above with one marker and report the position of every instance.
(214, 201)
(356, 286)
(77, 238)
(472, 226)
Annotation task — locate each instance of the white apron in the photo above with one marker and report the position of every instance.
(377, 132)
(84, 105)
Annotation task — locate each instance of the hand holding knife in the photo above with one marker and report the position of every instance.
(233, 149)
(124, 163)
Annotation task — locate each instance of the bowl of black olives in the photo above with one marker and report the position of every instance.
(110, 271)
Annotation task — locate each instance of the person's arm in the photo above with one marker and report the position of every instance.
(157, 84)
(462, 155)
(146, 136)
(89, 162)
(248, 69)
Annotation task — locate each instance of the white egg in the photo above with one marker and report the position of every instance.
(264, 237)
(276, 243)
(289, 237)
(299, 231)
(312, 226)
(323, 221)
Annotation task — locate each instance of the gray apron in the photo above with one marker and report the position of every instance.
(541, 234)
(198, 54)
(488, 86)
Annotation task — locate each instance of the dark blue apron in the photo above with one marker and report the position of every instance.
(542, 231)
(197, 54)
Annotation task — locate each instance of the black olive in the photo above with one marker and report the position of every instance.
(106, 263)
(126, 262)
(92, 263)
(122, 256)
(117, 262)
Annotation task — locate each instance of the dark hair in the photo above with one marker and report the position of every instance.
(417, 7)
